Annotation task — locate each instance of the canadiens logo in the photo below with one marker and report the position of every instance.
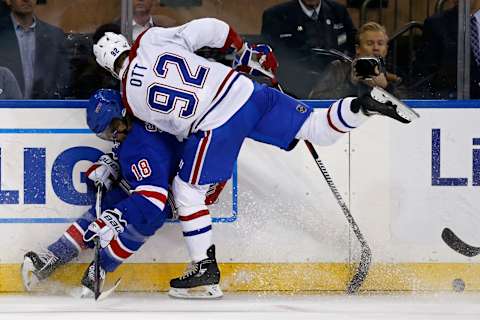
(150, 127)
(301, 108)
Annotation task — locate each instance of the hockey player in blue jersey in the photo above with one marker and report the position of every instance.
(217, 108)
(134, 207)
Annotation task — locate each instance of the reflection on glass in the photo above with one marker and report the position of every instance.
(47, 47)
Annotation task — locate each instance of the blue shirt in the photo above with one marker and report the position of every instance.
(26, 44)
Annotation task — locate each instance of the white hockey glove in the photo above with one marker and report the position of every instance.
(107, 227)
(256, 59)
(105, 171)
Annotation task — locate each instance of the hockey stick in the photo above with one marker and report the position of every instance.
(366, 255)
(96, 259)
(458, 245)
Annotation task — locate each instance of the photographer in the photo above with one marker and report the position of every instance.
(341, 80)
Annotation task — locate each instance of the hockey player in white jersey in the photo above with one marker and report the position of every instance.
(165, 83)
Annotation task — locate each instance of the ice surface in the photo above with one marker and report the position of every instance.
(244, 306)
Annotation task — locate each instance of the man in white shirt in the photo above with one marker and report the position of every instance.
(142, 18)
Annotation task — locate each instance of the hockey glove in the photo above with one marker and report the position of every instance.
(107, 227)
(255, 60)
(105, 171)
(366, 67)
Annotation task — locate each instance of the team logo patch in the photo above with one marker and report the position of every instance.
(150, 127)
(301, 108)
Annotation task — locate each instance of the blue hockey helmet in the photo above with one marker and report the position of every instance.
(104, 106)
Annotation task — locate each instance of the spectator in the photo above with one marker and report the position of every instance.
(295, 27)
(34, 51)
(142, 18)
(4, 11)
(339, 81)
(9, 88)
(436, 59)
(305, 24)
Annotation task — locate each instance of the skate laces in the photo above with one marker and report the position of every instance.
(48, 259)
(191, 270)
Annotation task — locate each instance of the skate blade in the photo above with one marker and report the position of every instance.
(402, 109)
(203, 292)
(29, 279)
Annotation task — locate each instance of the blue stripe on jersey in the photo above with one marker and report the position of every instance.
(219, 100)
(339, 112)
(198, 231)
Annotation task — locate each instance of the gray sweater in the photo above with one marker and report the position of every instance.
(9, 88)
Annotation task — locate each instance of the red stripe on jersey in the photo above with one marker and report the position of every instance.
(77, 236)
(131, 55)
(200, 156)
(195, 215)
(223, 83)
(118, 250)
(330, 122)
(152, 194)
(232, 39)
(124, 94)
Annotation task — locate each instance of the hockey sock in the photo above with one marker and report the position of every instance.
(344, 116)
(69, 245)
(65, 250)
(325, 127)
(197, 230)
(121, 248)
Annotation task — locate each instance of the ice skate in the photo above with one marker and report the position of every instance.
(37, 267)
(379, 101)
(200, 281)
(88, 281)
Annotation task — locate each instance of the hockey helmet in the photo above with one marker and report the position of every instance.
(104, 106)
(108, 49)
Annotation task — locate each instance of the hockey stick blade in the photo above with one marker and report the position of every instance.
(454, 242)
(362, 271)
(105, 294)
(366, 255)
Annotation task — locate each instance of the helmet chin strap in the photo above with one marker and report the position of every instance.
(123, 69)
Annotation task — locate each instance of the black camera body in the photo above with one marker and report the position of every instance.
(368, 67)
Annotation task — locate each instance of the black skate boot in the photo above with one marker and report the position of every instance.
(378, 101)
(88, 281)
(37, 267)
(200, 281)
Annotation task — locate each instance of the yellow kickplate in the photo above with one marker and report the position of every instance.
(273, 276)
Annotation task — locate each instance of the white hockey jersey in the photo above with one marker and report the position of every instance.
(166, 84)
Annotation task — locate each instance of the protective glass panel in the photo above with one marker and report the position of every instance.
(46, 49)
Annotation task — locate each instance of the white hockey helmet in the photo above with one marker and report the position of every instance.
(108, 49)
